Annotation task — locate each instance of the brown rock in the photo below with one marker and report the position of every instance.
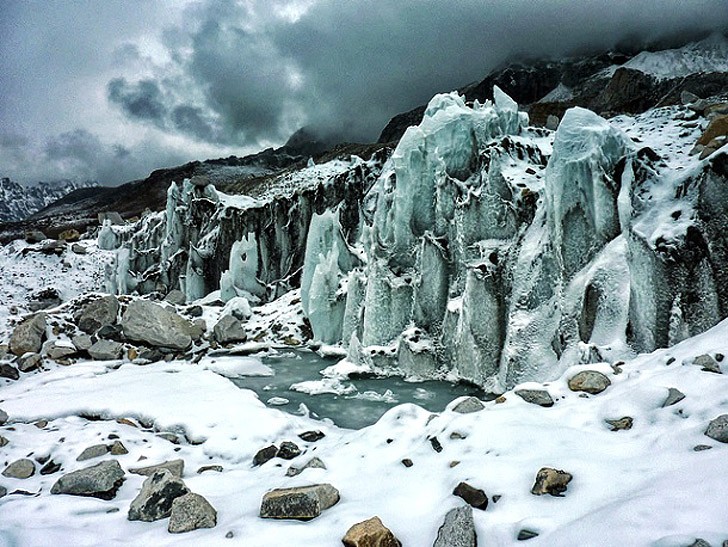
(718, 127)
(551, 481)
(370, 533)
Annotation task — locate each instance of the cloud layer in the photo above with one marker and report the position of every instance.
(115, 89)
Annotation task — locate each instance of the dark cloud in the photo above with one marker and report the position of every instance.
(142, 100)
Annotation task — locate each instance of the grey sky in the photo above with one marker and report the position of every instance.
(113, 89)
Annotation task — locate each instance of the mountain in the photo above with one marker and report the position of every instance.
(17, 202)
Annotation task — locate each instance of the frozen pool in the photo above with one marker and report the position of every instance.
(294, 378)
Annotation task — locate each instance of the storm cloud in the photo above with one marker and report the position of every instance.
(210, 78)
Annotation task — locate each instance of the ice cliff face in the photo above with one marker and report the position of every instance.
(483, 249)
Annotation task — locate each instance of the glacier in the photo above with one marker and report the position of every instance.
(479, 249)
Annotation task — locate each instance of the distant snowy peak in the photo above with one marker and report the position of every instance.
(18, 202)
(705, 56)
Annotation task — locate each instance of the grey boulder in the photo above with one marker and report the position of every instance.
(106, 350)
(539, 397)
(156, 325)
(190, 512)
(229, 330)
(98, 313)
(458, 530)
(589, 381)
(98, 481)
(93, 452)
(28, 335)
(300, 503)
(154, 501)
(57, 350)
(20, 469)
(29, 361)
(718, 429)
(3, 417)
(175, 467)
(469, 405)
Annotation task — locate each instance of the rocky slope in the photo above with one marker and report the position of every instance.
(18, 202)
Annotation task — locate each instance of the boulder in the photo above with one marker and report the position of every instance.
(154, 501)
(229, 330)
(3, 491)
(469, 405)
(71, 235)
(28, 335)
(3, 417)
(190, 512)
(50, 467)
(78, 249)
(551, 481)
(106, 350)
(175, 467)
(552, 122)
(538, 397)
(718, 127)
(117, 448)
(9, 372)
(97, 313)
(264, 455)
(156, 325)
(458, 530)
(526, 534)
(35, 236)
(674, 396)
(98, 481)
(288, 451)
(56, 349)
(82, 342)
(176, 297)
(311, 436)
(707, 363)
(20, 469)
(313, 463)
(718, 429)
(474, 497)
(29, 361)
(300, 503)
(93, 452)
(370, 533)
(589, 381)
(3, 441)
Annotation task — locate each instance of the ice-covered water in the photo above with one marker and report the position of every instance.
(350, 403)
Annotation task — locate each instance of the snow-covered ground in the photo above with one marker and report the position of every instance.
(662, 482)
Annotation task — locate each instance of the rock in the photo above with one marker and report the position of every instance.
(472, 496)
(407, 462)
(3, 417)
(198, 329)
(228, 330)
(204, 468)
(288, 451)
(3, 491)
(71, 235)
(370, 533)
(701, 447)
(50, 467)
(524, 535)
(469, 405)
(9, 372)
(28, 335)
(699, 542)
(20, 469)
(551, 481)
(190, 512)
(112, 217)
(300, 503)
(117, 448)
(93, 452)
(620, 424)
(313, 463)
(106, 350)
(154, 501)
(674, 396)
(55, 349)
(44, 299)
(82, 342)
(155, 325)
(435, 443)
(707, 363)
(311, 436)
(3, 441)
(194, 311)
(98, 481)
(686, 97)
(175, 297)
(35, 236)
(718, 127)
(175, 467)
(718, 429)
(97, 313)
(78, 249)
(552, 122)
(458, 529)
(589, 381)
(29, 361)
(171, 437)
(111, 332)
(200, 180)
(53, 247)
(538, 397)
